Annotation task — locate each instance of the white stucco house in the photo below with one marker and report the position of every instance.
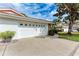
(74, 28)
(24, 27)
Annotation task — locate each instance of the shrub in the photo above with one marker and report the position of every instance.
(7, 35)
(55, 30)
(51, 32)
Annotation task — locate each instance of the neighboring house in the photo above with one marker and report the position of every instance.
(65, 27)
(74, 28)
(24, 27)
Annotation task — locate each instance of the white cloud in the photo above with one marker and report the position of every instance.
(28, 10)
(18, 7)
(53, 12)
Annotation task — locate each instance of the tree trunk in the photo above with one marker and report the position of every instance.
(70, 27)
(72, 19)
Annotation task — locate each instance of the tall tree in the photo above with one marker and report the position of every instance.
(72, 12)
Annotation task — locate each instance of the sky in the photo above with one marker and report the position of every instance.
(36, 10)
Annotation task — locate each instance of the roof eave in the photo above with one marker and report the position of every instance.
(23, 18)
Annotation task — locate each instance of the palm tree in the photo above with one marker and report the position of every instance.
(72, 12)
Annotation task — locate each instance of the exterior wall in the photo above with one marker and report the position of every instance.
(49, 26)
(65, 28)
(23, 31)
(8, 25)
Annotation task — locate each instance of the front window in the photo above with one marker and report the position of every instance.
(29, 24)
(21, 24)
(25, 24)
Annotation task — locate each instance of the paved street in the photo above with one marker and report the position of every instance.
(40, 46)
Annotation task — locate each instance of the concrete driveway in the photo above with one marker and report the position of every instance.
(40, 46)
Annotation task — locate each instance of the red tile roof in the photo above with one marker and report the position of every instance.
(9, 11)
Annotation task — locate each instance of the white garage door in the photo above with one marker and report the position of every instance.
(30, 30)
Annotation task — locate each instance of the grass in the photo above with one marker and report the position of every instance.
(73, 37)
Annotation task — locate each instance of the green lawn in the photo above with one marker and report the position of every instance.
(74, 36)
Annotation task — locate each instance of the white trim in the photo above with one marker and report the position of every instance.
(23, 18)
